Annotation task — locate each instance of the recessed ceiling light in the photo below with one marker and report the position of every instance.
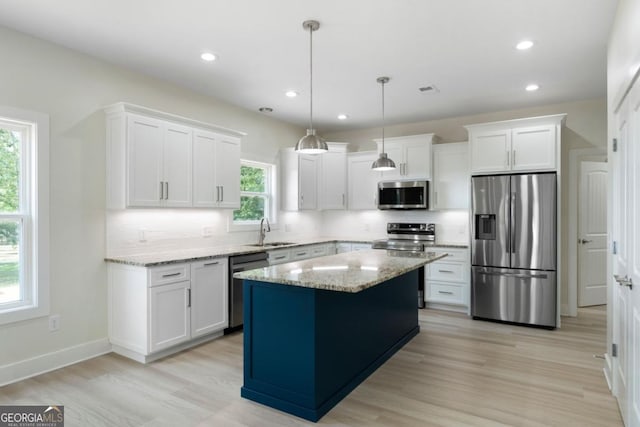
(265, 109)
(291, 93)
(208, 56)
(342, 117)
(524, 45)
(532, 87)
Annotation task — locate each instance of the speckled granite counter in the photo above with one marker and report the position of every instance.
(153, 259)
(346, 272)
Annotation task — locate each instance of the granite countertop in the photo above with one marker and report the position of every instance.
(347, 272)
(153, 259)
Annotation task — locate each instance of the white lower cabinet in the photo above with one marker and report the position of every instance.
(342, 247)
(447, 281)
(297, 253)
(157, 311)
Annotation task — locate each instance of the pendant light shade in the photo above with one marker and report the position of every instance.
(383, 163)
(311, 143)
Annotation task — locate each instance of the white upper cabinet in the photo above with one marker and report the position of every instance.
(450, 184)
(333, 177)
(299, 175)
(363, 181)
(216, 170)
(531, 144)
(159, 166)
(156, 159)
(411, 154)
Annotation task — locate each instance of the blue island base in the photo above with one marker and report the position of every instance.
(306, 349)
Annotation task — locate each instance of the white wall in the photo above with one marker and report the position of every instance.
(72, 88)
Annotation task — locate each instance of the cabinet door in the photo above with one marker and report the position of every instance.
(227, 169)
(209, 301)
(417, 160)
(450, 184)
(307, 182)
(333, 181)
(363, 182)
(176, 171)
(144, 160)
(533, 148)
(205, 191)
(490, 151)
(170, 321)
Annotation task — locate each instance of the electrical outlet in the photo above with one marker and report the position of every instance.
(54, 322)
(207, 231)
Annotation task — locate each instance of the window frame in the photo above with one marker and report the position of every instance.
(33, 214)
(270, 195)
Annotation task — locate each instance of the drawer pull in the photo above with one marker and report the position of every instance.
(211, 263)
(446, 271)
(280, 257)
(445, 292)
(301, 253)
(172, 274)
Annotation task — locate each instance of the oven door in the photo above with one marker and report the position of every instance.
(403, 195)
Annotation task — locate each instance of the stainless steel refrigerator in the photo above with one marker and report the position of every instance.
(513, 249)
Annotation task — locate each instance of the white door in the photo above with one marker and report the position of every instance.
(333, 184)
(209, 302)
(228, 172)
(533, 148)
(417, 156)
(592, 234)
(632, 286)
(177, 175)
(450, 184)
(363, 182)
(308, 182)
(205, 191)
(169, 315)
(145, 139)
(491, 151)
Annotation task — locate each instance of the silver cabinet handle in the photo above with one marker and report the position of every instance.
(445, 271)
(445, 292)
(172, 274)
(222, 193)
(161, 190)
(624, 281)
(513, 162)
(280, 257)
(188, 297)
(301, 253)
(342, 199)
(508, 158)
(211, 263)
(166, 193)
(584, 241)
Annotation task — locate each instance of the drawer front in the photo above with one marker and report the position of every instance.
(445, 293)
(301, 253)
(447, 271)
(168, 274)
(279, 257)
(453, 255)
(320, 250)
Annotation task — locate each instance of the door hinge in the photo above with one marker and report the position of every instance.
(614, 350)
(614, 247)
(615, 145)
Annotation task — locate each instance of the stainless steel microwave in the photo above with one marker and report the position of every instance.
(403, 195)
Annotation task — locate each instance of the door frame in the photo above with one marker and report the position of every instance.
(576, 156)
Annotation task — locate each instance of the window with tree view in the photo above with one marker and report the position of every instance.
(256, 195)
(11, 212)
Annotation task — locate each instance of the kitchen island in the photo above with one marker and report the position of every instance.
(315, 329)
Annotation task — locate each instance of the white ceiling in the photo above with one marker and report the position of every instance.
(463, 47)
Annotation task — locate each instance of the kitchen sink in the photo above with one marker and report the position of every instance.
(271, 244)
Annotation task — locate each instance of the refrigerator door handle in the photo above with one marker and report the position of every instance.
(512, 235)
(516, 275)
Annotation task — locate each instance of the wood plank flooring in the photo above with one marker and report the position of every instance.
(456, 372)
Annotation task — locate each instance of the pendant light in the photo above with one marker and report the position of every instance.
(383, 163)
(311, 143)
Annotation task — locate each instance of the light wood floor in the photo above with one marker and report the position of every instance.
(456, 372)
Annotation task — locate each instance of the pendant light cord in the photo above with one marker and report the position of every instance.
(311, 77)
(383, 116)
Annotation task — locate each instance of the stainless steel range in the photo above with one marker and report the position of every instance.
(409, 237)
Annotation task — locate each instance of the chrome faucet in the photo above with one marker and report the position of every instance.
(263, 231)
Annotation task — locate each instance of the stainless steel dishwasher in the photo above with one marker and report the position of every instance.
(236, 264)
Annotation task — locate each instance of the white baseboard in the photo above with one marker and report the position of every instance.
(24, 369)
